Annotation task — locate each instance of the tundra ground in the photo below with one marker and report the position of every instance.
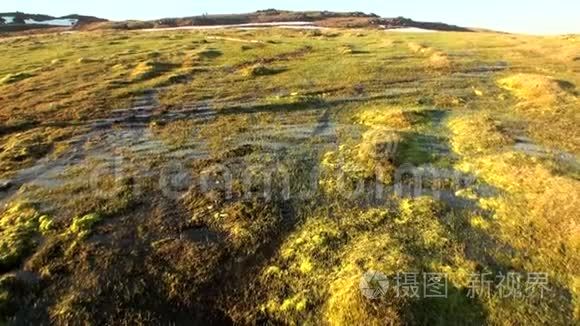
(257, 176)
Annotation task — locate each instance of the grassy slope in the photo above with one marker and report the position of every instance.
(121, 256)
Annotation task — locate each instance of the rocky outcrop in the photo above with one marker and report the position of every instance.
(402, 22)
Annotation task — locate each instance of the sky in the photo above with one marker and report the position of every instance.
(531, 16)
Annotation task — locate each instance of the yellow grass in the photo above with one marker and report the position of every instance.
(477, 134)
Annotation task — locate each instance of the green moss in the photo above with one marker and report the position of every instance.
(18, 226)
(273, 271)
(84, 225)
(295, 303)
(46, 224)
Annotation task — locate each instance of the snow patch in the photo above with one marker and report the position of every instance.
(409, 30)
(53, 22)
(248, 26)
(8, 19)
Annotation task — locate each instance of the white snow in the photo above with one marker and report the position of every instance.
(276, 24)
(409, 30)
(54, 22)
(297, 25)
(8, 19)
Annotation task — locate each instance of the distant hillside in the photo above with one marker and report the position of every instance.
(318, 18)
(262, 16)
(18, 21)
(401, 22)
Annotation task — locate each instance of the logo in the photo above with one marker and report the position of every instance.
(373, 285)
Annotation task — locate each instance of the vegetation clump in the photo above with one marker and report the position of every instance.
(418, 48)
(373, 159)
(20, 150)
(209, 53)
(13, 78)
(477, 134)
(24, 147)
(327, 257)
(395, 118)
(536, 90)
(436, 59)
(378, 152)
(347, 49)
(149, 69)
(19, 224)
(549, 106)
(83, 225)
(260, 70)
(439, 60)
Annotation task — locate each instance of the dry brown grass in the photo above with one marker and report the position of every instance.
(260, 70)
(418, 48)
(538, 207)
(346, 49)
(22, 149)
(436, 59)
(392, 117)
(377, 152)
(148, 69)
(440, 60)
(346, 304)
(185, 267)
(535, 90)
(477, 134)
(549, 105)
